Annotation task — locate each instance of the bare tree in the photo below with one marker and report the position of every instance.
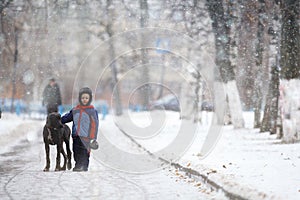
(12, 25)
(145, 90)
(259, 49)
(221, 28)
(116, 98)
(194, 17)
(290, 39)
(270, 116)
(290, 66)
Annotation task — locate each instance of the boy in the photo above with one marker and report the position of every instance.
(84, 129)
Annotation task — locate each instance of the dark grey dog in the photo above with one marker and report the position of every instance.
(56, 133)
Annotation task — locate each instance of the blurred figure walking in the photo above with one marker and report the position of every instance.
(51, 96)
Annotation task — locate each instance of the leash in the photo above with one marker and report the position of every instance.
(49, 135)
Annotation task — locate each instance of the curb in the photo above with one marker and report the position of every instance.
(191, 172)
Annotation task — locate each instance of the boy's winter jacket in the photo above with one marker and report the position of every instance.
(85, 121)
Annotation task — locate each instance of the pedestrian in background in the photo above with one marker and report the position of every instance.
(51, 96)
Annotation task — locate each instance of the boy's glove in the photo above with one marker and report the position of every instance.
(94, 144)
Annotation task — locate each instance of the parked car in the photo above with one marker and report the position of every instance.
(207, 106)
(169, 102)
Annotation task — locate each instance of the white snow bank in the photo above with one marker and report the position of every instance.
(13, 129)
(289, 103)
(245, 162)
(252, 164)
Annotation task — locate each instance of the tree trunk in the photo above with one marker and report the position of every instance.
(290, 108)
(198, 99)
(14, 77)
(290, 44)
(235, 106)
(290, 63)
(116, 95)
(221, 27)
(145, 90)
(162, 77)
(269, 122)
(259, 61)
(187, 98)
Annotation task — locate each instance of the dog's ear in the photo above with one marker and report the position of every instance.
(58, 116)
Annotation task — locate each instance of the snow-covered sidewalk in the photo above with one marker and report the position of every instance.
(244, 162)
(251, 164)
(15, 128)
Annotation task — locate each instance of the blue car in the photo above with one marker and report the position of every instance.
(169, 102)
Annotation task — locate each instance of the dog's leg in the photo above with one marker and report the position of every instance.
(58, 150)
(67, 134)
(46, 169)
(65, 157)
(69, 154)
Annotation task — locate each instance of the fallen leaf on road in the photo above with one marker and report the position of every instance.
(211, 172)
(198, 185)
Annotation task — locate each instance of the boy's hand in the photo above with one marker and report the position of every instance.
(94, 144)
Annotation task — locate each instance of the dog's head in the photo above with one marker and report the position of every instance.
(54, 121)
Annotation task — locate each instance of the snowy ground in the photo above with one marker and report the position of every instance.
(13, 129)
(21, 175)
(252, 164)
(245, 162)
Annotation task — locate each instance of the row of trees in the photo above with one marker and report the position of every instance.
(256, 48)
(280, 27)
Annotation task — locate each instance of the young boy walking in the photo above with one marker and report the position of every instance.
(84, 128)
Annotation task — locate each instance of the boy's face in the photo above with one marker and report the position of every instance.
(85, 98)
